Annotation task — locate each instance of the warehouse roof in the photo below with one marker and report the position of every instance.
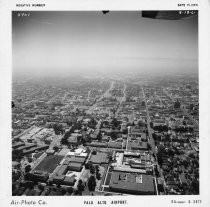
(132, 183)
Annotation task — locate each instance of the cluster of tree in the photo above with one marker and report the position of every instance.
(56, 148)
(146, 132)
(157, 137)
(115, 128)
(115, 122)
(91, 183)
(156, 171)
(28, 184)
(195, 186)
(27, 168)
(80, 187)
(85, 138)
(31, 177)
(41, 187)
(113, 135)
(64, 139)
(87, 166)
(58, 128)
(61, 191)
(92, 169)
(131, 123)
(149, 146)
(69, 190)
(99, 136)
(75, 126)
(57, 191)
(92, 123)
(194, 113)
(69, 122)
(177, 105)
(105, 123)
(183, 129)
(161, 128)
(129, 99)
(159, 159)
(125, 131)
(170, 152)
(95, 174)
(13, 104)
(16, 155)
(142, 124)
(161, 151)
(15, 175)
(98, 175)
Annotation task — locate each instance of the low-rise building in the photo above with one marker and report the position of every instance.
(132, 183)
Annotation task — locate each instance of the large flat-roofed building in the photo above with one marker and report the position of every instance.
(77, 159)
(139, 145)
(69, 180)
(39, 176)
(59, 176)
(17, 145)
(62, 170)
(25, 147)
(113, 144)
(99, 158)
(128, 169)
(97, 144)
(58, 179)
(73, 166)
(77, 153)
(131, 154)
(66, 161)
(29, 151)
(73, 140)
(132, 183)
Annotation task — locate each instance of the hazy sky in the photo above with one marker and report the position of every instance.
(59, 42)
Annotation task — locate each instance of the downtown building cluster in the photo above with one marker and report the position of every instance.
(96, 137)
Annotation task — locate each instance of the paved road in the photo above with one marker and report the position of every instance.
(89, 94)
(151, 140)
(122, 99)
(105, 94)
(128, 139)
(64, 97)
(105, 178)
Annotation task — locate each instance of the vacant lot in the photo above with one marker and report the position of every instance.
(49, 163)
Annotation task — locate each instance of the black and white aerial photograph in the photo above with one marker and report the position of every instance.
(105, 103)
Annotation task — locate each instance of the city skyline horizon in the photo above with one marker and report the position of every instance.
(59, 42)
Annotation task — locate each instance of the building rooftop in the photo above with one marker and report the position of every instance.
(75, 166)
(139, 145)
(99, 158)
(77, 159)
(132, 183)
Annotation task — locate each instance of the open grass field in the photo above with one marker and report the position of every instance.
(49, 163)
